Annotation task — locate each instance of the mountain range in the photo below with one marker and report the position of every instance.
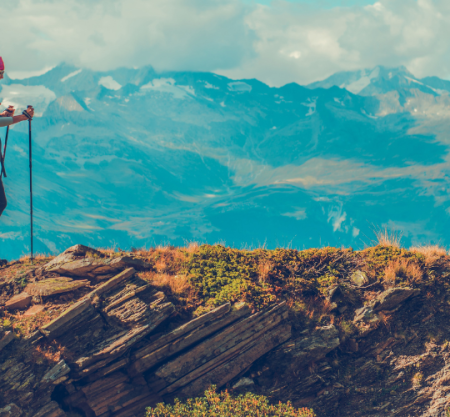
(136, 158)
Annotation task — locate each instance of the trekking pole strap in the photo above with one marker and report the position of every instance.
(25, 113)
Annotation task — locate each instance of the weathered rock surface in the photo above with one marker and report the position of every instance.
(54, 286)
(19, 301)
(56, 374)
(33, 310)
(185, 336)
(313, 346)
(392, 297)
(223, 356)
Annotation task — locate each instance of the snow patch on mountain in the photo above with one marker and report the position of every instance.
(239, 86)
(357, 86)
(208, 85)
(167, 85)
(110, 83)
(311, 104)
(72, 74)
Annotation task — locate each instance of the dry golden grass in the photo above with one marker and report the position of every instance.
(430, 252)
(107, 251)
(388, 238)
(386, 319)
(50, 352)
(178, 284)
(403, 270)
(192, 247)
(37, 257)
(27, 325)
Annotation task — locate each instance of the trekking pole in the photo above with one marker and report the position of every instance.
(3, 173)
(31, 181)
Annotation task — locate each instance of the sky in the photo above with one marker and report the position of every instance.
(276, 41)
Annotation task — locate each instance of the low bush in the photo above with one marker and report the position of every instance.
(223, 404)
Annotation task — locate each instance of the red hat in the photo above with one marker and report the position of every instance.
(2, 64)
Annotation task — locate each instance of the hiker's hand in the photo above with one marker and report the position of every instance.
(30, 111)
(23, 117)
(8, 112)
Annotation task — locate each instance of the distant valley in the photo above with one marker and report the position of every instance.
(133, 158)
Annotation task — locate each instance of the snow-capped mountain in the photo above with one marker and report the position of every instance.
(132, 157)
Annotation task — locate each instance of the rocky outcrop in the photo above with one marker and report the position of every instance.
(393, 297)
(119, 344)
(120, 353)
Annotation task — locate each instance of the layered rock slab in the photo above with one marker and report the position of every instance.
(211, 349)
(223, 356)
(82, 261)
(53, 286)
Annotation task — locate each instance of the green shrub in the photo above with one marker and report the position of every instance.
(260, 277)
(225, 405)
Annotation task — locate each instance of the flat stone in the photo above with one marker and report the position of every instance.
(56, 373)
(359, 278)
(129, 262)
(54, 286)
(32, 311)
(7, 338)
(391, 298)
(19, 301)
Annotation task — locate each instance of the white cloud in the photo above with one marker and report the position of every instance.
(392, 33)
(278, 44)
(105, 34)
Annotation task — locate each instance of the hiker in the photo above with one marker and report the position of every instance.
(7, 118)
